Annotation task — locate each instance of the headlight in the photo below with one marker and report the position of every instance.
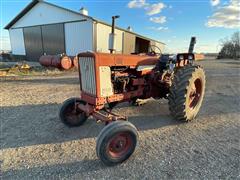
(190, 57)
(181, 57)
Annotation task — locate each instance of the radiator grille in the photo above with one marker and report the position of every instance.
(87, 70)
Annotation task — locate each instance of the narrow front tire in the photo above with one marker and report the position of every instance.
(116, 142)
(69, 113)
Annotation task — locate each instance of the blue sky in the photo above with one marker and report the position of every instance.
(170, 21)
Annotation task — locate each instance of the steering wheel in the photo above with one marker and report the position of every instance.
(152, 52)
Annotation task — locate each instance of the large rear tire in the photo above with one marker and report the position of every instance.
(116, 142)
(187, 92)
(70, 115)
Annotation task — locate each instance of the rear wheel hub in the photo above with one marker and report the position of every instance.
(195, 93)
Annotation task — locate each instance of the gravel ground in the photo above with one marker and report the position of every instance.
(36, 145)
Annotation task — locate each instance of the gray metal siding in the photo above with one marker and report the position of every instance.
(47, 39)
(53, 39)
(33, 43)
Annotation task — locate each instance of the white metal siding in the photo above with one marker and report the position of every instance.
(17, 41)
(43, 13)
(87, 69)
(160, 45)
(78, 37)
(103, 32)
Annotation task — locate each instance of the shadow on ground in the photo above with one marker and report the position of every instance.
(64, 169)
(39, 124)
(56, 80)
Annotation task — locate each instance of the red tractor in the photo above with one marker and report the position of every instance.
(109, 79)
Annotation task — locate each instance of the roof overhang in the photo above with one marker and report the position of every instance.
(125, 30)
(22, 13)
(31, 5)
(34, 2)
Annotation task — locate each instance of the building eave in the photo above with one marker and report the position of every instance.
(31, 5)
(125, 30)
(34, 2)
(21, 14)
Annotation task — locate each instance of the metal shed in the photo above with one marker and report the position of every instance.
(44, 28)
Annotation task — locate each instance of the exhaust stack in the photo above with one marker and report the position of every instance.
(112, 44)
(192, 44)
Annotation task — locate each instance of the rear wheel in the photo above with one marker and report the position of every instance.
(116, 142)
(70, 114)
(187, 92)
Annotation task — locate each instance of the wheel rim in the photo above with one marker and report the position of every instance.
(72, 114)
(119, 145)
(195, 93)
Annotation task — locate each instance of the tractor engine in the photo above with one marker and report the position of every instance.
(121, 79)
(107, 78)
(126, 79)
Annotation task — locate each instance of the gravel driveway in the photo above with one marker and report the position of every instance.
(36, 145)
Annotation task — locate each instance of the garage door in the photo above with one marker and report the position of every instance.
(53, 39)
(33, 43)
(47, 39)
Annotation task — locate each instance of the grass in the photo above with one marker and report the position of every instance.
(17, 70)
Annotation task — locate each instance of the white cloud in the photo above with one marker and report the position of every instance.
(159, 20)
(214, 2)
(154, 8)
(137, 4)
(151, 9)
(227, 16)
(159, 28)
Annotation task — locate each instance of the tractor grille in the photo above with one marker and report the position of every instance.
(87, 70)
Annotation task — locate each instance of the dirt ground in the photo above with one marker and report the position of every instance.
(36, 145)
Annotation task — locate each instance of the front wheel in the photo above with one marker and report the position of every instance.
(116, 142)
(70, 115)
(187, 92)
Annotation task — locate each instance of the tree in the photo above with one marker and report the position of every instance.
(231, 47)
